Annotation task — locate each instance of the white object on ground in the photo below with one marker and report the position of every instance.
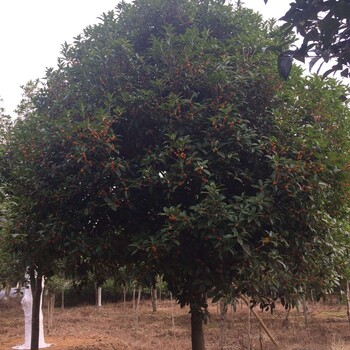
(27, 302)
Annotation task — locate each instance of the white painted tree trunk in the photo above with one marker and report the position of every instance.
(99, 296)
(27, 302)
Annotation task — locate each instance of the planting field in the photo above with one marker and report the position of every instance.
(114, 326)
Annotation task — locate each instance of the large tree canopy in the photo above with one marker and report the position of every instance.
(165, 137)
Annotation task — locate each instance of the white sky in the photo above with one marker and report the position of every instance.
(32, 32)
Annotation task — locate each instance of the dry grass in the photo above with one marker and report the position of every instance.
(337, 344)
(109, 327)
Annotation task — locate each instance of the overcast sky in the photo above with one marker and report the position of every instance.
(32, 32)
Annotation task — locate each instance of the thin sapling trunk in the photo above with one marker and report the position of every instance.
(154, 298)
(348, 299)
(50, 309)
(62, 298)
(305, 312)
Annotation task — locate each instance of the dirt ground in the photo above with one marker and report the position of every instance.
(115, 327)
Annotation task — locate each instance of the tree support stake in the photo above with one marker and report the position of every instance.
(246, 301)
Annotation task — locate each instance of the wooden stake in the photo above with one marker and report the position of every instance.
(246, 301)
(348, 299)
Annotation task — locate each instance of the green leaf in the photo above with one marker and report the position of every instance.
(111, 204)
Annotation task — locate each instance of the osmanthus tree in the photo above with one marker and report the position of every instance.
(255, 205)
(8, 273)
(165, 138)
(58, 176)
(315, 123)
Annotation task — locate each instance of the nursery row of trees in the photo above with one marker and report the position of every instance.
(166, 143)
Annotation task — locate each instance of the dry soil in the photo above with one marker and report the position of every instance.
(115, 326)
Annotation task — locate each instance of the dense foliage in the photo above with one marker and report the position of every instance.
(8, 267)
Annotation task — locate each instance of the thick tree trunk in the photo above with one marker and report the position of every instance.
(197, 335)
(36, 285)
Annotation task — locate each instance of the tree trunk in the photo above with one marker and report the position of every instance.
(305, 312)
(234, 306)
(348, 299)
(50, 308)
(7, 291)
(124, 298)
(222, 307)
(223, 312)
(160, 283)
(18, 288)
(62, 298)
(172, 313)
(138, 300)
(197, 335)
(36, 285)
(99, 296)
(154, 298)
(285, 321)
(249, 328)
(312, 297)
(134, 307)
(261, 338)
